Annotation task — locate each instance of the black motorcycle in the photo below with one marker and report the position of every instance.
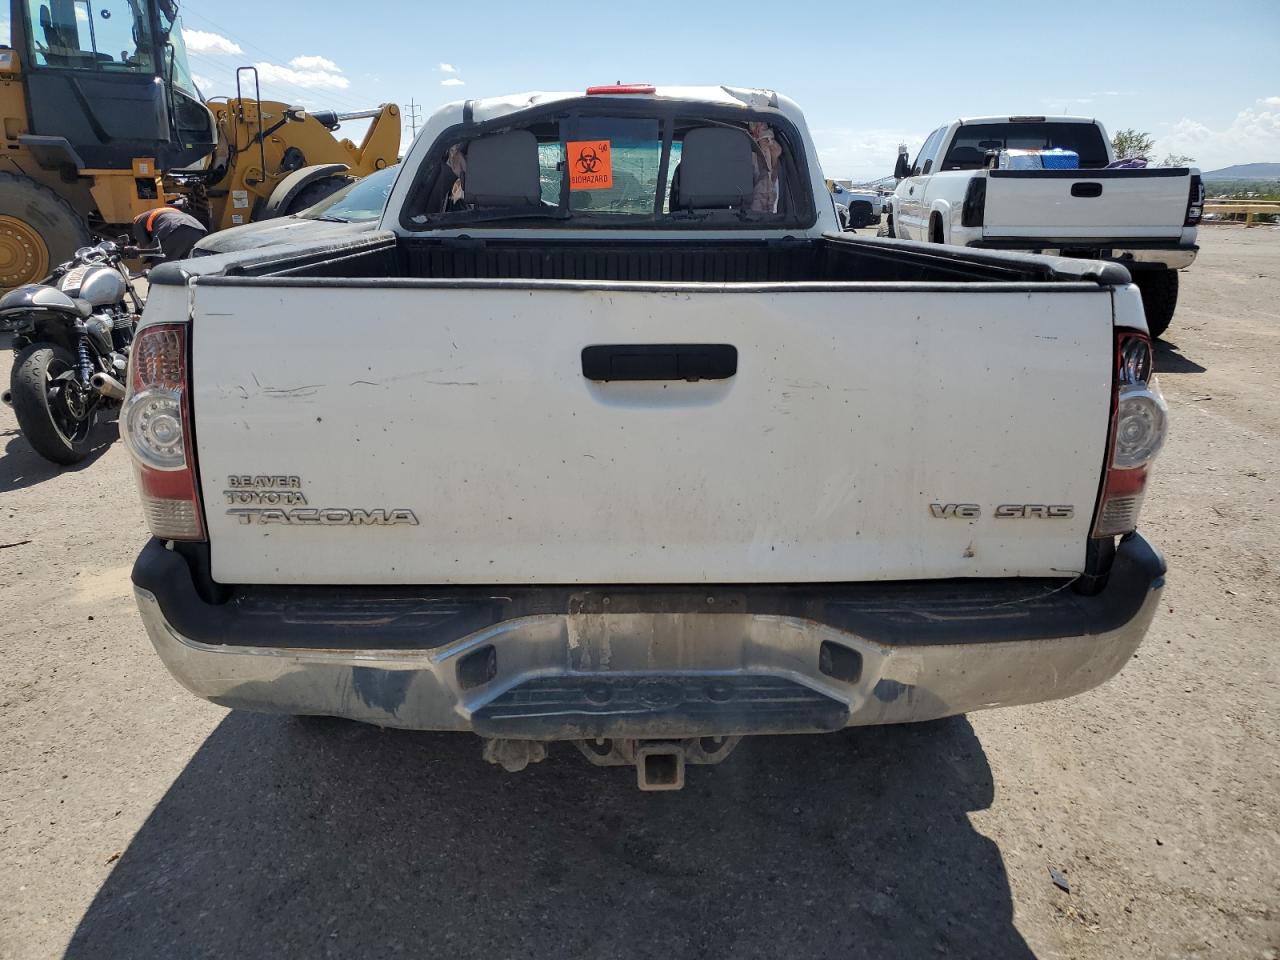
(71, 340)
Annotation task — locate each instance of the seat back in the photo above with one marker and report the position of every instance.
(965, 158)
(715, 170)
(502, 171)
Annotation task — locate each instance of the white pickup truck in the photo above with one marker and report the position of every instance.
(609, 436)
(1143, 218)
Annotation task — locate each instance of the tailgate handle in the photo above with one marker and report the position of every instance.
(660, 361)
(1087, 189)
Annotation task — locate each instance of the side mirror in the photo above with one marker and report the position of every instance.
(902, 169)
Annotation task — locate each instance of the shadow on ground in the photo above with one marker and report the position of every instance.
(21, 466)
(1169, 360)
(327, 839)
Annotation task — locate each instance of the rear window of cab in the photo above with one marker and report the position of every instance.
(972, 142)
(615, 170)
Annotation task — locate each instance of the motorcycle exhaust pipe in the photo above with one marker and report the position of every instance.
(7, 398)
(108, 386)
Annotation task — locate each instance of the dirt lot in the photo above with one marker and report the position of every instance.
(137, 821)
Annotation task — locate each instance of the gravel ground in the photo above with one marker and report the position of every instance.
(137, 821)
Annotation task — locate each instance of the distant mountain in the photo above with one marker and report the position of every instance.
(1246, 171)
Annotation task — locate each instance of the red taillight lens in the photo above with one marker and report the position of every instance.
(1139, 425)
(643, 88)
(155, 424)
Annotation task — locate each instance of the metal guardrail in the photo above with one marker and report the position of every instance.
(1247, 207)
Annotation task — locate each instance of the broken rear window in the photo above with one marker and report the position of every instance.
(594, 169)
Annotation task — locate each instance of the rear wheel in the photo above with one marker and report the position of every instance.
(53, 410)
(314, 192)
(935, 229)
(1159, 289)
(38, 229)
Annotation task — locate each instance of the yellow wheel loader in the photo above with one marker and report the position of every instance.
(102, 122)
(273, 159)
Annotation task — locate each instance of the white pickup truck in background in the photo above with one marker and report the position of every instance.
(609, 436)
(862, 208)
(1143, 218)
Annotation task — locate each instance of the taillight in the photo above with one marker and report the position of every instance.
(1195, 201)
(1139, 425)
(155, 424)
(975, 203)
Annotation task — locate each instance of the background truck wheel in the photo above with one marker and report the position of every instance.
(56, 422)
(886, 227)
(38, 230)
(1159, 289)
(314, 192)
(935, 229)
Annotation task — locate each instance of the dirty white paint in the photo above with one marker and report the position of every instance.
(850, 414)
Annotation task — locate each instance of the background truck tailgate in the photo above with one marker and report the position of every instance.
(1131, 204)
(851, 412)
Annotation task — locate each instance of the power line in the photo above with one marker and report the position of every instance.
(227, 76)
(307, 92)
(290, 90)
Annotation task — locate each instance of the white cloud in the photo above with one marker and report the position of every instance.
(1252, 137)
(323, 64)
(308, 79)
(200, 41)
(1270, 101)
(447, 68)
(452, 82)
(204, 83)
(862, 154)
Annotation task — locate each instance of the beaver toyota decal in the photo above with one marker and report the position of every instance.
(590, 164)
(279, 499)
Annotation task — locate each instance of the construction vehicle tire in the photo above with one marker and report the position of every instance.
(38, 230)
(288, 196)
(316, 191)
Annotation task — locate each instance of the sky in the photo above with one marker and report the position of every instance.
(1202, 78)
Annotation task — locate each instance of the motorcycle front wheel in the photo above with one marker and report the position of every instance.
(54, 412)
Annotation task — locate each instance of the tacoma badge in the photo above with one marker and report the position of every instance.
(326, 516)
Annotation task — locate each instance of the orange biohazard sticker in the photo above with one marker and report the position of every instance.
(590, 164)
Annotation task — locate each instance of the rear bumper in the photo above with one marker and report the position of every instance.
(1140, 252)
(570, 663)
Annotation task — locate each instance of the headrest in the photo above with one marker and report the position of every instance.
(715, 168)
(965, 156)
(502, 170)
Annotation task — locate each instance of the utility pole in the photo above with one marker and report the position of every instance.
(414, 118)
